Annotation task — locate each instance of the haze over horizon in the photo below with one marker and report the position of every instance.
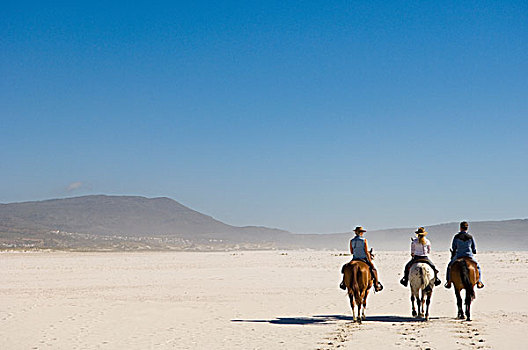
(311, 119)
(279, 228)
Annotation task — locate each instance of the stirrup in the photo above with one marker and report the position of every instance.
(437, 282)
(480, 285)
(447, 285)
(378, 287)
(342, 286)
(403, 282)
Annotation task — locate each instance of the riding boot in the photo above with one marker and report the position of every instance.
(377, 285)
(448, 278)
(405, 278)
(342, 285)
(479, 282)
(437, 281)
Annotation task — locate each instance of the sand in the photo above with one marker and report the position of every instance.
(243, 300)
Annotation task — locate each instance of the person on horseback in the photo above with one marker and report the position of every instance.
(463, 246)
(359, 251)
(420, 249)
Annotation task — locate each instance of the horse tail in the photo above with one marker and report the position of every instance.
(422, 275)
(464, 276)
(355, 285)
(426, 282)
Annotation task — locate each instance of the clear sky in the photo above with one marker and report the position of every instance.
(311, 116)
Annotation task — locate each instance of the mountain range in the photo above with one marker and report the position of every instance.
(101, 222)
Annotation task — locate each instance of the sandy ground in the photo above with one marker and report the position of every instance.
(243, 300)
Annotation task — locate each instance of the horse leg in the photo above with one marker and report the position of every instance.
(359, 302)
(422, 302)
(459, 304)
(418, 303)
(412, 303)
(468, 306)
(427, 305)
(351, 296)
(363, 317)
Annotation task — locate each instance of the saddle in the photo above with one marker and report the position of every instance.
(469, 260)
(423, 259)
(360, 259)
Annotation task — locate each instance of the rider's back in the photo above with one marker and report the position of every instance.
(463, 244)
(358, 245)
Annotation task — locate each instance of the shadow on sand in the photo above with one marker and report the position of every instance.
(329, 319)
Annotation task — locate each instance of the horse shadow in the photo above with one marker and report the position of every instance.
(330, 319)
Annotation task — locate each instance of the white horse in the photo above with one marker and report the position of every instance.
(421, 278)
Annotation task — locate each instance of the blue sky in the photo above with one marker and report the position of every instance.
(312, 117)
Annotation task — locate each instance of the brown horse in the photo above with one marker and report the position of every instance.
(358, 281)
(464, 275)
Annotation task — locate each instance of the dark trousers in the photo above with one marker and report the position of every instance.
(416, 259)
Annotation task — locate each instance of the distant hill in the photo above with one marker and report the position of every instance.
(123, 218)
(103, 222)
(489, 235)
(108, 215)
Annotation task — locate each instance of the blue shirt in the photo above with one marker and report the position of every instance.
(463, 245)
(358, 247)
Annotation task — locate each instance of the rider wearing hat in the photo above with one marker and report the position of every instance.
(463, 246)
(359, 251)
(420, 249)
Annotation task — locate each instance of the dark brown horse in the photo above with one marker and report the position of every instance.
(464, 275)
(358, 281)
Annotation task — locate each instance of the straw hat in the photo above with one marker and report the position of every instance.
(360, 229)
(421, 231)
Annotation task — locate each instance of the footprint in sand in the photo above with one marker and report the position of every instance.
(7, 316)
(339, 337)
(470, 335)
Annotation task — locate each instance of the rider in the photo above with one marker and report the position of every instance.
(463, 245)
(359, 251)
(420, 249)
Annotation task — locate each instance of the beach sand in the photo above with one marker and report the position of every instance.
(244, 300)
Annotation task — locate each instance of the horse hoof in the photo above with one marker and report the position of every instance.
(414, 313)
(468, 319)
(427, 317)
(421, 315)
(460, 317)
(359, 320)
(363, 317)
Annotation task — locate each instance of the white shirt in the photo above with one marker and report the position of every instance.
(420, 249)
